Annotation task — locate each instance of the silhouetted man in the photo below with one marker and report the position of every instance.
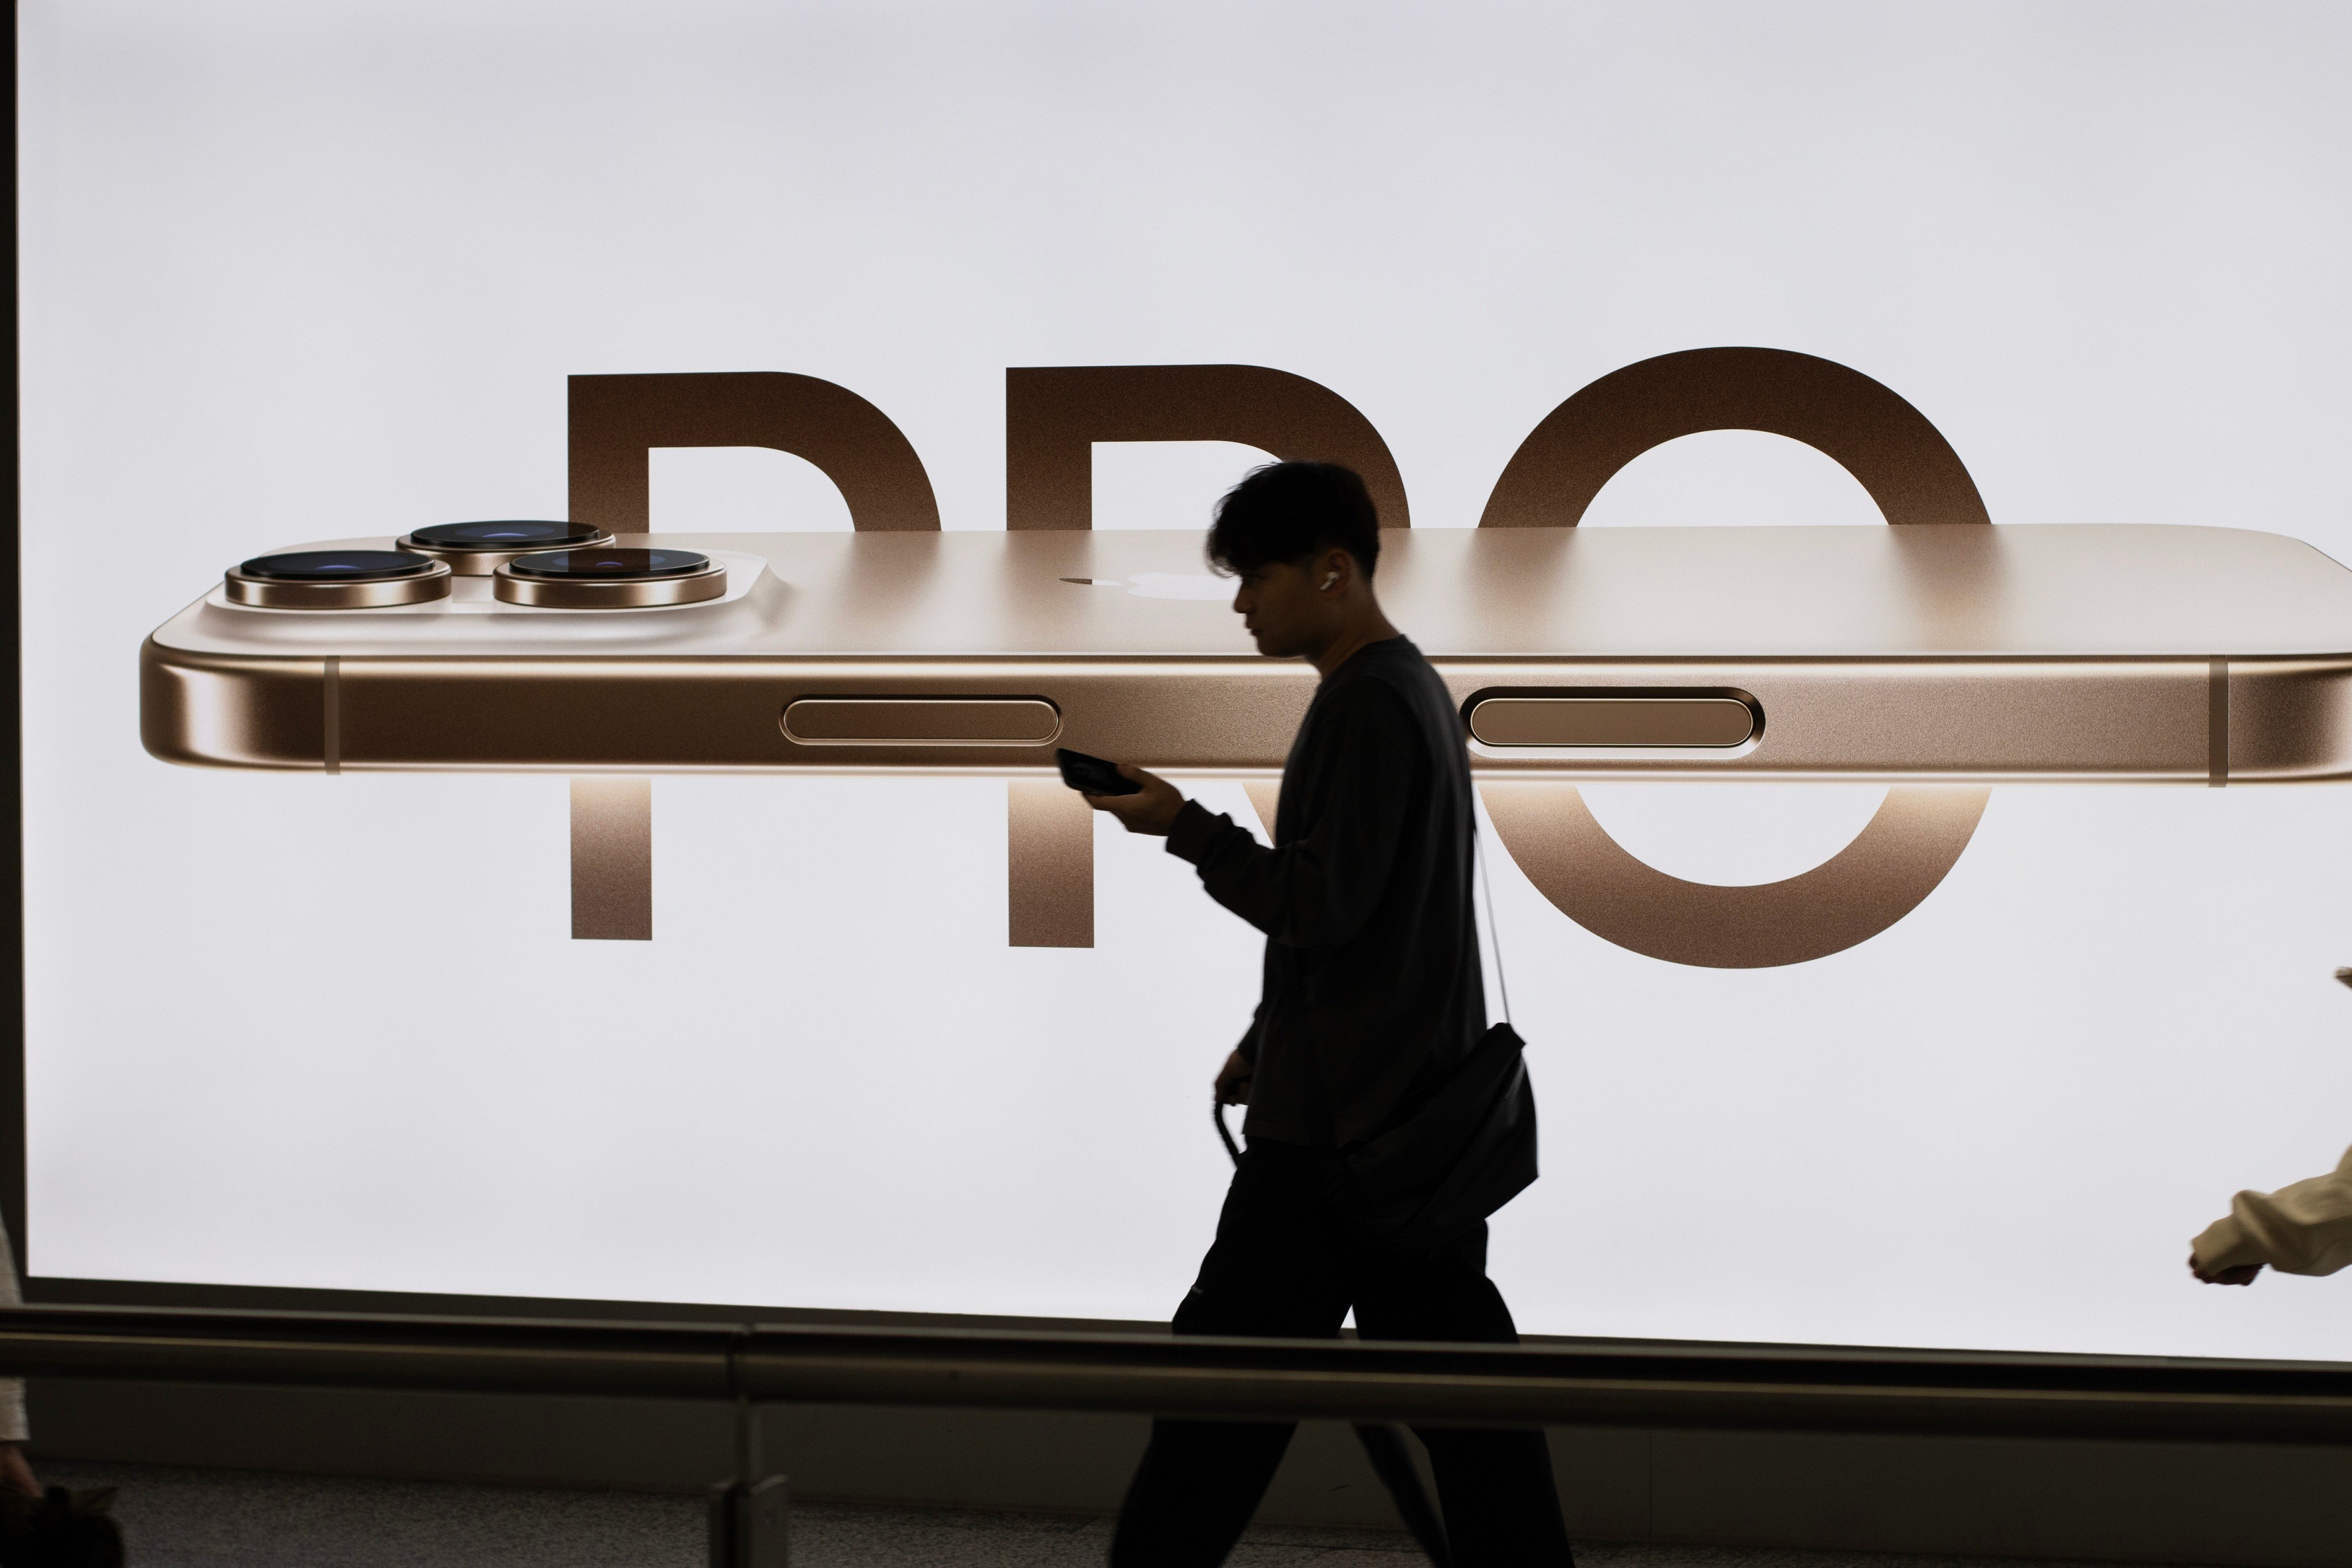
(1372, 994)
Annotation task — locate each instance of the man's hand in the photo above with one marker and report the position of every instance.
(2243, 1274)
(1233, 1080)
(1153, 812)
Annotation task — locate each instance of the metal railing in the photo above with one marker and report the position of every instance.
(1574, 1383)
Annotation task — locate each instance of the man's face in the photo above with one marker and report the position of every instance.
(1282, 609)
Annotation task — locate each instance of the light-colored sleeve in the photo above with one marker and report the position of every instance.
(13, 1428)
(2303, 1229)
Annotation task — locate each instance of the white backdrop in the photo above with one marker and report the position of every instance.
(298, 271)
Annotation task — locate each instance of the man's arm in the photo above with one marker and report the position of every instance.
(2303, 1229)
(1318, 890)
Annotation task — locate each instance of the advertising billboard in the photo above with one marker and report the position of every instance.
(1868, 476)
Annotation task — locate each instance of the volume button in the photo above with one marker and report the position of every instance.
(922, 721)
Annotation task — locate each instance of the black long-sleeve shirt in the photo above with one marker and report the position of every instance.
(1372, 986)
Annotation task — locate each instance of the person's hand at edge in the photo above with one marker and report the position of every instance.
(16, 1472)
(2243, 1274)
(1233, 1080)
(1153, 812)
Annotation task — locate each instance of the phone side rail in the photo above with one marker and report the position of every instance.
(1925, 719)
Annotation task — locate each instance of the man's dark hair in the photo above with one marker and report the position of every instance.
(1287, 511)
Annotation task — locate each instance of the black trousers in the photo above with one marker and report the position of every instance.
(1282, 1265)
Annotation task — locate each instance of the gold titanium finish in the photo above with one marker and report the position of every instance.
(920, 721)
(1890, 447)
(1895, 454)
(1266, 799)
(1049, 865)
(1897, 860)
(612, 859)
(615, 420)
(1538, 718)
(359, 593)
(1055, 415)
(1951, 654)
(607, 593)
(482, 563)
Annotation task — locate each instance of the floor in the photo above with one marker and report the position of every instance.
(224, 1518)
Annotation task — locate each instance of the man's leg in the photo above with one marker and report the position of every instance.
(1496, 1486)
(1273, 1269)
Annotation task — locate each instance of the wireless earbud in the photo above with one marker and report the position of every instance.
(1330, 578)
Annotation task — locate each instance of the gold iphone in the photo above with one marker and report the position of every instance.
(1932, 653)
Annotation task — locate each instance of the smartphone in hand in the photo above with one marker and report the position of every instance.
(1093, 776)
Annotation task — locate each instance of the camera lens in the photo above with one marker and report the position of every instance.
(479, 549)
(610, 577)
(335, 565)
(337, 580)
(512, 535)
(606, 564)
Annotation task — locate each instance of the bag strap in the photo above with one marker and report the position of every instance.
(1486, 890)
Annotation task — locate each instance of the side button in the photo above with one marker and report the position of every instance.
(922, 721)
(1713, 721)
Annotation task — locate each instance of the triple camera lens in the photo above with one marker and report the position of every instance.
(557, 565)
(337, 580)
(609, 577)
